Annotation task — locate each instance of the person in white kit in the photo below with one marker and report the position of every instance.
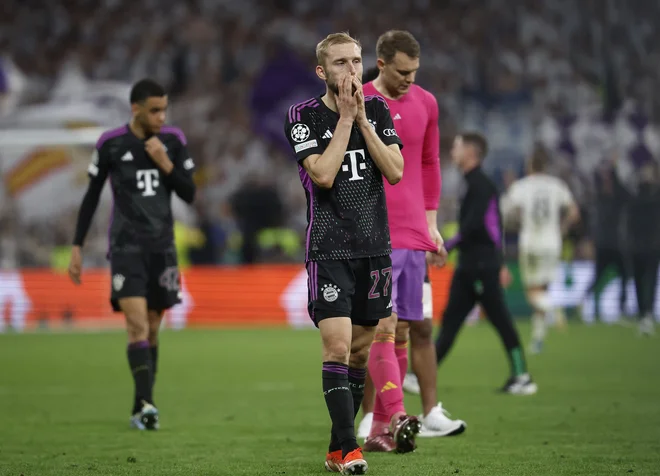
(15, 303)
(541, 201)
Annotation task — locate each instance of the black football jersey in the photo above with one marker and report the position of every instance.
(349, 220)
(142, 213)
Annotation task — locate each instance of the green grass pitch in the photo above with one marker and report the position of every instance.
(249, 402)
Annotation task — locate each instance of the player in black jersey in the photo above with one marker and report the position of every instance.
(344, 144)
(146, 161)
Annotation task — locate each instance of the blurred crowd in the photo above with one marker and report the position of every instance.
(533, 62)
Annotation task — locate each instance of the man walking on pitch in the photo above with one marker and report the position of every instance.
(480, 271)
(345, 143)
(146, 162)
(412, 210)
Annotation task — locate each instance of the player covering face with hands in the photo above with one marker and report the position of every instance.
(345, 147)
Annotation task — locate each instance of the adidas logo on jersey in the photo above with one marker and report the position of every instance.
(396, 117)
(389, 306)
(327, 135)
(127, 156)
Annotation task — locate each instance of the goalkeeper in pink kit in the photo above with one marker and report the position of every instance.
(412, 211)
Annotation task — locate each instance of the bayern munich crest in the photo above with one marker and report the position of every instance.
(118, 282)
(330, 292)
(300, 132)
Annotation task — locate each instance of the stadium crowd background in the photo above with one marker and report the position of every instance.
(577, 77)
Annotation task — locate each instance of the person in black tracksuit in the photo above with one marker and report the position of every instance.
(644, 229)
(610, 208)
(480, 269)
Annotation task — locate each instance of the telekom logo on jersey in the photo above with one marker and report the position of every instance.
(356, 159)
(147, 180)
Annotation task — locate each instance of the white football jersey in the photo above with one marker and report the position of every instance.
(540, 199)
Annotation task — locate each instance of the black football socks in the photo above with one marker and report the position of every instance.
(356, 379)
(139, 360)
(339, 399)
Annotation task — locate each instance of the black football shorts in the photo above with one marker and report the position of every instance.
(356, 288)
(154, 276)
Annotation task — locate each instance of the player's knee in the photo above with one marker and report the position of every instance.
(402, 332)
(359, 357)
(421, 333)
(137, 328)
(336, 352)
(387, 325)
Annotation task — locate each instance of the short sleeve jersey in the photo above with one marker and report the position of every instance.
(349, 220)
(541, 198)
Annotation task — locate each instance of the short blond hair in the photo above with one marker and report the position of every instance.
(332, 40)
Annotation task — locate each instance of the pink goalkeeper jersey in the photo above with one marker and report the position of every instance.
(415, 117)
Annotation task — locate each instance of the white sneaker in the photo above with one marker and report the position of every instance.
(521, 385)
(411, 384)
(646, 326)
(146, 418)
(438, 423)
(364, 428)
(136, 422)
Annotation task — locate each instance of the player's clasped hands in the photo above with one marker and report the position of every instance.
(347, 102)
(359, 96)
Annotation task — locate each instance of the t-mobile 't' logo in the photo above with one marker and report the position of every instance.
(356, 159)
(147, 180)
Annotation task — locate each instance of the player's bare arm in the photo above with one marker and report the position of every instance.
(323, 168)
(388, 158)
